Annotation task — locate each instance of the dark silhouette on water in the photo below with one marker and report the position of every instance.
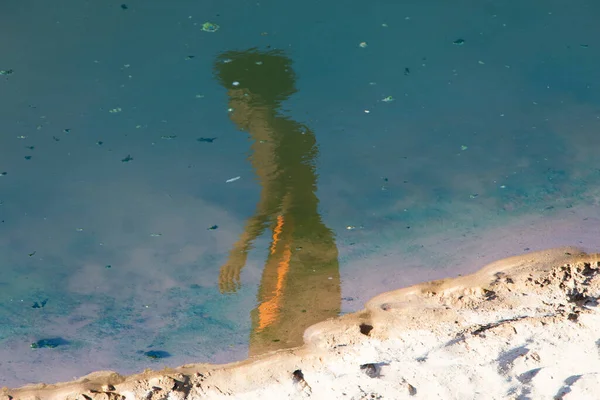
(300, 283)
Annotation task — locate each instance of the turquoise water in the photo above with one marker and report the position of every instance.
(442, 131)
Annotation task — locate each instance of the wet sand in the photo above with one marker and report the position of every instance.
(521, 327)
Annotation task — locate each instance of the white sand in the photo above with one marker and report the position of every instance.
(522, 328)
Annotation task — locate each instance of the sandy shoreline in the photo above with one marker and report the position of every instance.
(462, 250)
(523, 327)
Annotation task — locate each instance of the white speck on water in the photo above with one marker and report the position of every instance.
(232, 179)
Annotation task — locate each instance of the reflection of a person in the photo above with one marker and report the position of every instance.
(300, 284)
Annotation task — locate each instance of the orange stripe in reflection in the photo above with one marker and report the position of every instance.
(276, 233)
(268, 311)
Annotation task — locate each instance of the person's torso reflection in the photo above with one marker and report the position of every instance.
(300, 284)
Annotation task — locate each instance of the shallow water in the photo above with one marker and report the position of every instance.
(116, 220)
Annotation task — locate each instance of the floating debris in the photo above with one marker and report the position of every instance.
(459, 42)
(474, 195)
(206, 139)
(463, 147)
(362, 44)
(108, 266)
(384, 186)
(210, 27)
(213, 228)
(27, 157)
(155, 234)
(124, 7)
(41, 304)
(49, 343)
(115, 110)
(168, 137)
(6, 72)
(387, 99)
(156, 354)
(232, 179)
(3, 173)
(32, 254)
(128, 158)
(99, 142)
(67, 130)
(189, 57)
(406, 71)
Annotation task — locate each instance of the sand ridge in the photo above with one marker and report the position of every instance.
(519, 328)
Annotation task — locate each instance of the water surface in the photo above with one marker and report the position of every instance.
(411, 141)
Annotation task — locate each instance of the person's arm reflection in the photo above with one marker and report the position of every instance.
(300, 284)
(249, 115)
